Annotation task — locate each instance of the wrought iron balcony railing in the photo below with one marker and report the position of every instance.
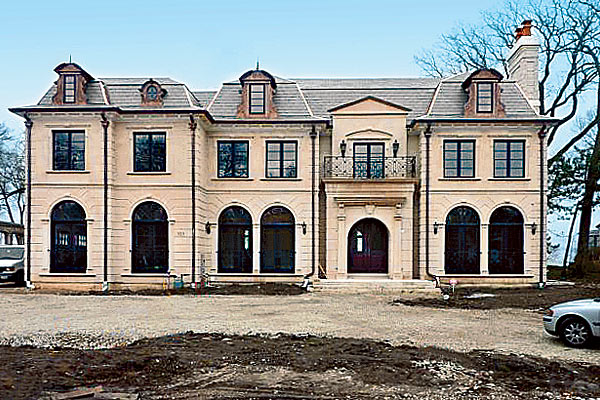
(372, 168)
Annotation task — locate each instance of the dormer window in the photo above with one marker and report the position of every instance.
(152, 93)
(484, 94)
(257, 98)
(71, 85)
(485, 97)
(70, 89)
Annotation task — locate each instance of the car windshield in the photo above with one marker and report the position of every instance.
(11, 253)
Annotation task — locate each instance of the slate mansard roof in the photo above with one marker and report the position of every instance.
(309, 99)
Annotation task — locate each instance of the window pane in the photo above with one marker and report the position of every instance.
(451, 172)
(142, 153)
(225, 160)
(158, 152)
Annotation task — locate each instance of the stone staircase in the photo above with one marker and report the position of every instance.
(380, 286)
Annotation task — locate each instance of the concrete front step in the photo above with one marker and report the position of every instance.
(372, 285)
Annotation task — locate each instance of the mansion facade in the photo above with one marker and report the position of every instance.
(135, 180)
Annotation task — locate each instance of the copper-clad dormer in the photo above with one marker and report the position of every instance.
(152, 93)
(71, 84)
(483, 93)
(258, 89)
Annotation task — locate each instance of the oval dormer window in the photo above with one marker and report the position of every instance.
(152, 93)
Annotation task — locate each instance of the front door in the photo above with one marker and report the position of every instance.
(368, 248)
(69, 247)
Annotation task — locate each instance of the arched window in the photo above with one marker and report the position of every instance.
(368, 247)
(68, 253)
(506, 241)
(462, 253)
(277, 241)
(150, 231)
(235, 241)
(152, 93)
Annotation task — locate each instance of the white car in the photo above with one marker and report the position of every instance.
(11, 263)
(575, 322)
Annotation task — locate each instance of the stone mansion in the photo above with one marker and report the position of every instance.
(134, 180)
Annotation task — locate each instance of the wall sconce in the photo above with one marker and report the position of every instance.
(343, 148)
(533, 228)
(395, 147)
(303, 228)
(436, 227)
(207, 227)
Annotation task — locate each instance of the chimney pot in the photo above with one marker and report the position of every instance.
(526, 28)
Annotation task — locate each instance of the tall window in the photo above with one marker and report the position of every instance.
(277, 241)
(150, 231)
(257, 98)
(281, 159)
(368, 160)
(459, 156)
(485, 97)
(69, 151)
(69, 88)
(150, 152)
(233, 159)
(68, 251)
(235, 241)
(462, 241)
(509, 158)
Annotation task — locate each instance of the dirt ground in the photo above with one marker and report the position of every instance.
(528, 298)
(214, 366)
(307, 346)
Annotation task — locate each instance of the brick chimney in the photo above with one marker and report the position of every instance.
(523, 63)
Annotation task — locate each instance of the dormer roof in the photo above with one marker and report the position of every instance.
(255, 74)
(72, 67)
(488, 74)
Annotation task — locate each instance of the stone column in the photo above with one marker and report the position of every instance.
(256, 248)
(483, 258)
(342, 243)
(396, 271)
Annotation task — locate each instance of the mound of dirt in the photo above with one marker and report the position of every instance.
(215, 366)
(528, 298)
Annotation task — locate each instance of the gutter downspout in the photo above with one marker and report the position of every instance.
(313, 139)
(193, 126)
(428, 132)
(28, 126)
(542, 136)
(105, 124)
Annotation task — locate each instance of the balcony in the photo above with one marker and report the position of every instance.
(339, 167)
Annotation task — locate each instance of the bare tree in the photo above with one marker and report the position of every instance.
(565, 28)
(12, 174)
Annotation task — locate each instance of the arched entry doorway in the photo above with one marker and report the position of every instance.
(506, 241)
(462, 254)
(277, 241)
(68, 253)
(150, 231)
(368, 247)
(235, 241)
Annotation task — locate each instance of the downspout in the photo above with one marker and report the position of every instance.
(105, 124)
(542, 136)
(428, 132)
(193, 126)
(28, 126)
(313, 139)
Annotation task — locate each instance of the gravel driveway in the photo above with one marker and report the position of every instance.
(105, 321)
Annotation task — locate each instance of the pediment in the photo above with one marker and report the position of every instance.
(369, 105)
(369, 133)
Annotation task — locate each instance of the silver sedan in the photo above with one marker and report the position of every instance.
(575, 322)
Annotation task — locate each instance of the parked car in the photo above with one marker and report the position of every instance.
(575, 322)
(12, 267)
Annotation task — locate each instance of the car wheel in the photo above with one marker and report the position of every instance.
(575, 332)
